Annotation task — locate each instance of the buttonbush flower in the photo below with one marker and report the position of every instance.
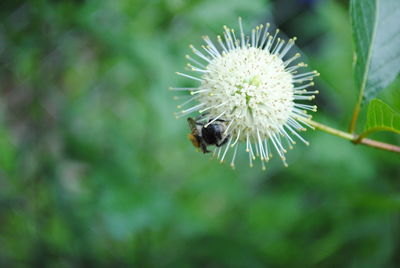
(250, 83)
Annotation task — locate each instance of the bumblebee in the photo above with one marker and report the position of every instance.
(212, 134)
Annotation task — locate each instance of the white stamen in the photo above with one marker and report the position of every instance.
(241, 32)
(265, 35)
(188, 101)
(193, 68)
(212, 107)
(210, 52)
(190, 110)
(234, 156)
(260, 145)
(222, 44)
(226, 149)
(297, 135)
(211, 45)
(189, 76)
(195, 61)
(200, 91)
(215, 119)
(237, 138)
(182, 88)
(266, 150)
(198, 53)
(296, 56)
(295, 67)
(288, 46)
(297, 89)
(219, 152)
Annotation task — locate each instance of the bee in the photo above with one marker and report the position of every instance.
(203, 136)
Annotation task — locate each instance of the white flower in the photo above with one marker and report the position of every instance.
(247, 82)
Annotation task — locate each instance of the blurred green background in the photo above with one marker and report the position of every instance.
(96, 171)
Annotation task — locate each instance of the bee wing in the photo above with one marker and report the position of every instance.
(192, 125)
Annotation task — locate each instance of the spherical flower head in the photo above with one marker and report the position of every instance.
(248, 84)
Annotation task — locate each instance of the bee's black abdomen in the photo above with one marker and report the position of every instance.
(212, 134)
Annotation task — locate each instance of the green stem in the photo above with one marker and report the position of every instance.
(353, 123)
(356, 139)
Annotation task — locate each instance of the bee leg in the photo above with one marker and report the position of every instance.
(203, 147)
(223, 142)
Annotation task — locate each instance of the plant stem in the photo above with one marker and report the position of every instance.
(353, 137)
(330, 130)
(353, 123)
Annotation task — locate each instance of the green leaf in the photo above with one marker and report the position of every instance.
(376, 33)
(380, 117)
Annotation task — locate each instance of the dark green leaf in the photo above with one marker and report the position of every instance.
(377, 44)
(381, 117)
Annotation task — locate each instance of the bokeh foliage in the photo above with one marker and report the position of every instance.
(95, 170)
